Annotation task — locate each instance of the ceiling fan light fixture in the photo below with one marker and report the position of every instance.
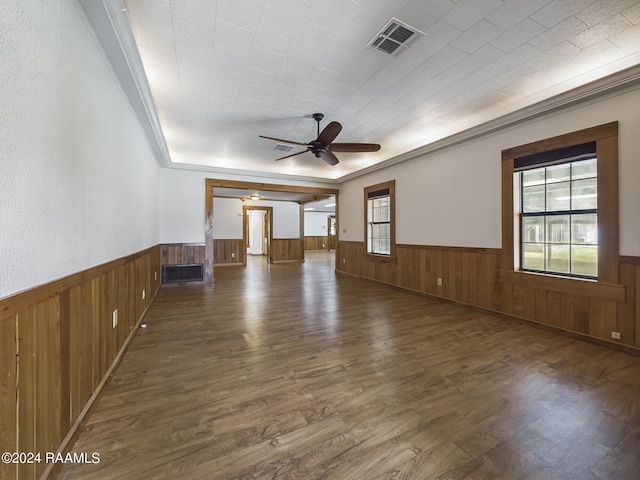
(255, 197)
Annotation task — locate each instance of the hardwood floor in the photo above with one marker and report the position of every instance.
(292, 372)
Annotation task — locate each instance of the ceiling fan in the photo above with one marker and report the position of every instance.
(322, 147)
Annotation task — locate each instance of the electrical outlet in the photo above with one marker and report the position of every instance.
(144, 293)
(155, 275)
(344, 260)
(115, 318)
(615, 335)
(439, 282)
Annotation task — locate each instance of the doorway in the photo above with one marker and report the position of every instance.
(246, 188)
(331, 232)
(257, 230)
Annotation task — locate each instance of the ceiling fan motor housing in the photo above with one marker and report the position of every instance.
(317, 148)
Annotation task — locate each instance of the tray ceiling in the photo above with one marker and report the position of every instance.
(222, 72)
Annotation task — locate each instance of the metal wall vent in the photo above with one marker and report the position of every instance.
(283, 148)
(192, 272)
(394, 37)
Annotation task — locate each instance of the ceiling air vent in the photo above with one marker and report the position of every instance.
(394, 37)
(283, 148)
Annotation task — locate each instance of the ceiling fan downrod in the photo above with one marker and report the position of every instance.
(318, 117)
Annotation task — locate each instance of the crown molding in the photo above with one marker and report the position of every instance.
(109, 21)
(234, 172)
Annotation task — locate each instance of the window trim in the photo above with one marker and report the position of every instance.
(606, 138)
(391, 186)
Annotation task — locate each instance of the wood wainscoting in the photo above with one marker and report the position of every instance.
(58, 348)
(229, 252)
(226, 252)
(181, 253)
(472, 276)
(316, 243)
(284, 250)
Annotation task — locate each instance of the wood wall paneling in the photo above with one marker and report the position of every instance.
(108, 334)
(140, 291)
(26, 411)
(39, 408)
(225, 252)
(229, 252)
(182, 253)
(47, 376)
(472, 276)
(286, 250)
(316, 242)
(125, 312)
(626, 312)
(8, 393)
(57, 345)
(84, 317)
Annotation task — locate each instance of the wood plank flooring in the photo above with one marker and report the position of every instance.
(292, 372)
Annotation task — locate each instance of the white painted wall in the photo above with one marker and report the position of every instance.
(182, 206)
(78, 180)
(315, 224)
(286, 219)
(453, 197)
(227, 218)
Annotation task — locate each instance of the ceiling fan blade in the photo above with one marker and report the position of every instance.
(292, 155)
(329, 157)
(355, 147)
(329, 133)
(283, 141)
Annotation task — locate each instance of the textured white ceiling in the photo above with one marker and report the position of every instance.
(222, 72)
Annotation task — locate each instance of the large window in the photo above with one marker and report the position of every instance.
(558, 215)
(379, 219)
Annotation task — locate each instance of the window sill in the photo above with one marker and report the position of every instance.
(386, 259)
(575, 286)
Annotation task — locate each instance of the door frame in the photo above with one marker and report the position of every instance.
(212, 183)
(245, 227)
(329, 218)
